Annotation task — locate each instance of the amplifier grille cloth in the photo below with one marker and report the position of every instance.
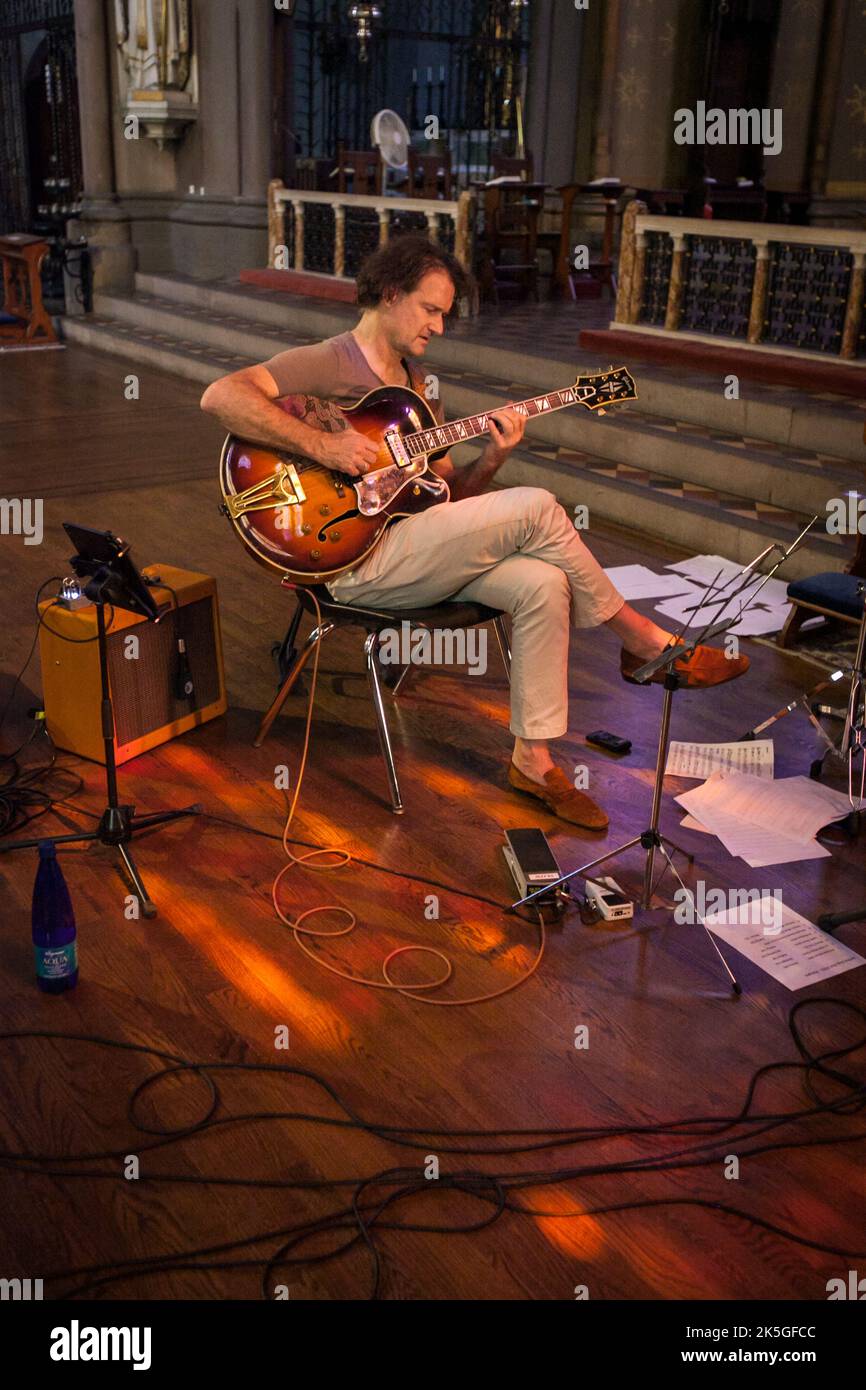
(143, 689)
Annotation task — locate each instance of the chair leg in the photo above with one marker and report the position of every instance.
(286, 651)
(285, 689)
(504, 648)
(382, 723)
(402, 679)
(795, 620)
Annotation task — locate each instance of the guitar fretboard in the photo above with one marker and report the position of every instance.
(458, 431)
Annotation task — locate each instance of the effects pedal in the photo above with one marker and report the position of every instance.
(607, 898)
(531, 864)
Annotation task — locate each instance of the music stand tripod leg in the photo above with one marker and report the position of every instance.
(735, 985)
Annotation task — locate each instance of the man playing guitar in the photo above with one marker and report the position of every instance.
(512, 548)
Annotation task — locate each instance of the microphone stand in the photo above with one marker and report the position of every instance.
(651, 840)
(118, 823)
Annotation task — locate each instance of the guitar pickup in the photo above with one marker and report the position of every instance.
(397, 448)
(284, 489)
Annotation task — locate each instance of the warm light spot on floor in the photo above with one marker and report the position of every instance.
(262, 978)
(447, 783)
(579, 1236)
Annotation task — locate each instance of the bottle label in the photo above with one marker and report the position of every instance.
(55, 962)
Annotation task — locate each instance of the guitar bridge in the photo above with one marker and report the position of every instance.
(284, 489)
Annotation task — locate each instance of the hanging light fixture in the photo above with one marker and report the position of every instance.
(364, 17)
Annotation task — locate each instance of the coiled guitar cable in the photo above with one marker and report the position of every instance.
(422, 991)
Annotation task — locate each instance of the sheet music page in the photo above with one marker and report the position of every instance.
(793, 950)
(700, 760)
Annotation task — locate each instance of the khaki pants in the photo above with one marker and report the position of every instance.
(515, 549)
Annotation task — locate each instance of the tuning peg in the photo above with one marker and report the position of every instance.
(602, 411)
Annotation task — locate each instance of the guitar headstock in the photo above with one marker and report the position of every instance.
(603, 389)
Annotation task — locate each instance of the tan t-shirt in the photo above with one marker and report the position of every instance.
(336, 370)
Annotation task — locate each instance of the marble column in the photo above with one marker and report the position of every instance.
(255, 60)
(854, 308)
(674, 310)
(553, 88)
(627, 251)
(604, 138)
(103, 222)
(339, 239)
(276, 219)
(758, 307)
(827, 88)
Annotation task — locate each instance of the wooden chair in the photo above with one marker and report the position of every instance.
(314, 174)
(24, 318)
(510, 256)
(509, 166)
(429, 175)
(603, 270)
(363, 167)
(450, 615)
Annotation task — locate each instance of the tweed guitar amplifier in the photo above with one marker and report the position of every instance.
(150, 706)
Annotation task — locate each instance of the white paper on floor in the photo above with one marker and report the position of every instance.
(793, 950)
(700, 760)
(704, 569)
(756, 622)
(768, 614)
(745, 812)
(636, 581)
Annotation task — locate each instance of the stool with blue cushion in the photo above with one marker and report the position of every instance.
(832, 595)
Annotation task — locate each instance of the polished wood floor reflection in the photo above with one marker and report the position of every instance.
(216, 973)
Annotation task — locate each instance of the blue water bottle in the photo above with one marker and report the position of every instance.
(53, 925)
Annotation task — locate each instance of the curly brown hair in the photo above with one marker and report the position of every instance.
(401, 264)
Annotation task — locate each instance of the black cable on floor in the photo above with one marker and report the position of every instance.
(357, 1225)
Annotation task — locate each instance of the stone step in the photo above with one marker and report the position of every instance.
(699, 519)
(695, 518)
(794, 479)
(215, 328)
(819, 422)
(798, 480)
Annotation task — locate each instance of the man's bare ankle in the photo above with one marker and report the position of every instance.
(532, 762)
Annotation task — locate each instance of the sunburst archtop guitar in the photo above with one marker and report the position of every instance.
(312, 523)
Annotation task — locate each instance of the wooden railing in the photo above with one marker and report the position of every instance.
(792, 289)
(328, 233)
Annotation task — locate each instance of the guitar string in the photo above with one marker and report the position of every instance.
(409, 991)
(424, 441)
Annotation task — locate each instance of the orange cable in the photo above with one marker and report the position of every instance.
(300, 932)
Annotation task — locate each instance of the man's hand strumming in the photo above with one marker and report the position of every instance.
(347, 452)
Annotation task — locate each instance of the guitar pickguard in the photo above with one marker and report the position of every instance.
(378, 489)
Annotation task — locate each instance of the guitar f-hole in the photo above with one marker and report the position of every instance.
(335, 521)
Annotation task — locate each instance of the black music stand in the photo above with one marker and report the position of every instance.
(112, 577)
(651, 840)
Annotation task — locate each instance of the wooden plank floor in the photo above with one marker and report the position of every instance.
(216, 973)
